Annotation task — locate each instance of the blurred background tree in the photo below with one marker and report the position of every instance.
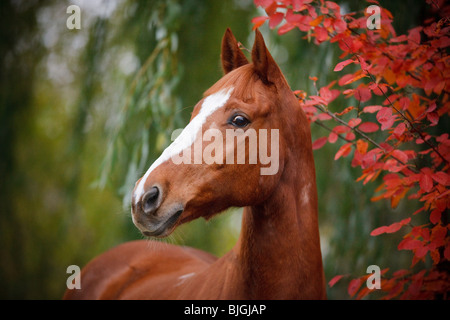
(83, 114)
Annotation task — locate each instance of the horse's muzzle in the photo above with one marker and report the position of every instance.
(151, 217)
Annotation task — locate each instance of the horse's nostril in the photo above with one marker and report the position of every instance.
(150, 199)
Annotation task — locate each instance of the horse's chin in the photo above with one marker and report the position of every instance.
(175, 217)
(163, 228)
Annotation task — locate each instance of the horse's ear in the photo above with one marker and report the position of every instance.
(265, 65)
(232, 56)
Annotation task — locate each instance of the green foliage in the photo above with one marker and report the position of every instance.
(151, 110)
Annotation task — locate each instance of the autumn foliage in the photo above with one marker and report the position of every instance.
(394, 143)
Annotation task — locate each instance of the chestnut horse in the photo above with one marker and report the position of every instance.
(278, 252)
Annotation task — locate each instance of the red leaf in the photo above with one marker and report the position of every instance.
(378, 231)
(421, 252)
(332, 5)
(378, 88)
(433, 118)
(441, 204)
(350, 136)
(319, 143)
(327, 94)
(438, 235)
(345, 79)
(441, 177)
(297, 4)
(334, 280)
(370, 158)
(389, 75)
(404, 102)
(346, 110)
(363, 94)
(354, 286)
(391, 228)
(432, 107)
(332, 138)
(343, 151)
(435, 256)
(285, 28)
(354, 122)
(362, 146)
(416, 284)
(258, 22)
(425, 182)
(341, 129)
(414, 35)
(443, 138)
(401, 38)
(340, 25)
(321, 34)
(399, 130)
(275, 19)
(409, 244)
(342, 64)
(435, 216)
(270, 6)
(385, 118)
(368, 127)
(263, 3)
(400, 155)
(371, 109)
(324, 116)
(432, 84)
(397, 226)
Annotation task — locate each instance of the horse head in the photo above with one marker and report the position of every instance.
(233, 151)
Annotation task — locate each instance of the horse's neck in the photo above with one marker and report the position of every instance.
(279, 247)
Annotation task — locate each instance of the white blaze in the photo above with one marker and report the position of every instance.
(187, 137)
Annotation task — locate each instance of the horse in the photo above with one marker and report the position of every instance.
(277, 254)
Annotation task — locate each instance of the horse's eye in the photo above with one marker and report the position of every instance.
(239, 121)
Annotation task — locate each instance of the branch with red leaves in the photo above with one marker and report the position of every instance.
(411, 72)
